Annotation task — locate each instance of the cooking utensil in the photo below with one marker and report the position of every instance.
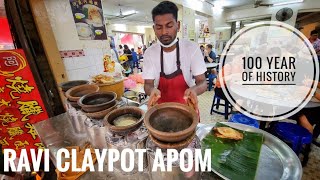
(171, 122)
(65, 86)
(75, 93)
(128, 110)
(97, 101)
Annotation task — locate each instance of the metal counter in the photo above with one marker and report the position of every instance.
(59, 132)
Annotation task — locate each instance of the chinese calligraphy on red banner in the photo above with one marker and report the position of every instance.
(20, 103)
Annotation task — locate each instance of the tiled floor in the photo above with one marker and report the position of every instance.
(310, 172)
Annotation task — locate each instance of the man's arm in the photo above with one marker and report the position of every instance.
(211, 57)
(148, 86)
(201, 84)
(151, 91)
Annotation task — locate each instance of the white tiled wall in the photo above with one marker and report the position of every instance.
(83, 68)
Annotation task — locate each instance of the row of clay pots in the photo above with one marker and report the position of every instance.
(82, 95)
(170, 125)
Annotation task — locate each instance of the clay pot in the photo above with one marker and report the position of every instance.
(100, 114)
(177, 145)
(97, 101)
(123, 130)
(74, 104)
(65, 86)
(75, 93)
(171, 122)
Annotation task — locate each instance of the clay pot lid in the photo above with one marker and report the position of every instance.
(166, 117)
(65, 86)
(123, 130)
(75, 93)
(97, 99)
(176, 145)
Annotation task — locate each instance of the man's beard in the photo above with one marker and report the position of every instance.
(166, 40)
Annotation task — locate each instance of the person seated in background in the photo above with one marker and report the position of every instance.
(315, 41)
(140, 53)
(135, 60)
(202, 50)
(120, 51)
(309, 117)
(128, 52)
(209, 55)
(114, 54)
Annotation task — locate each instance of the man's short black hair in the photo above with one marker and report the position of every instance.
(165, 7)
(209, 46)
(314, 32)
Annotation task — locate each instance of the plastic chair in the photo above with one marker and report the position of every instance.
(211, 77)
(216, 103)
(243, 119)
(295, 136)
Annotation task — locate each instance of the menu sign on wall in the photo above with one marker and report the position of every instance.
(20, 103)
(88, 16)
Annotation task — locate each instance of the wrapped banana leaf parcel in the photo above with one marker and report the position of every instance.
(234, 153)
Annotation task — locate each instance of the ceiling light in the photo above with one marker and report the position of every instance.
(288, 2)
(130, 12)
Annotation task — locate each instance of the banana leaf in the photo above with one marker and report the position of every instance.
(234, 159)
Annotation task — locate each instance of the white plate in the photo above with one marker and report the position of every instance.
(79, 15)
(97, 22)
(84, 30)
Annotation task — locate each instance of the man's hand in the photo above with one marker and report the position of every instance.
(191, 98)
(155, 95)
(206, 53)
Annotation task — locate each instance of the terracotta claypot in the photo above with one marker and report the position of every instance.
(123, 130)
(75, 93)
(97, 101)
(74, 104)
(176, 145)
(101, 114)
(171, 122)
(65, 86)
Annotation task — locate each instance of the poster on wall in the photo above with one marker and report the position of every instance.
(88, 17)
(20, 103)
(204, 31)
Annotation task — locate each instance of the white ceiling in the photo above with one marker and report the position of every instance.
(144, 7)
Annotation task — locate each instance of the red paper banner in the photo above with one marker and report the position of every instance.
(20, 103)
